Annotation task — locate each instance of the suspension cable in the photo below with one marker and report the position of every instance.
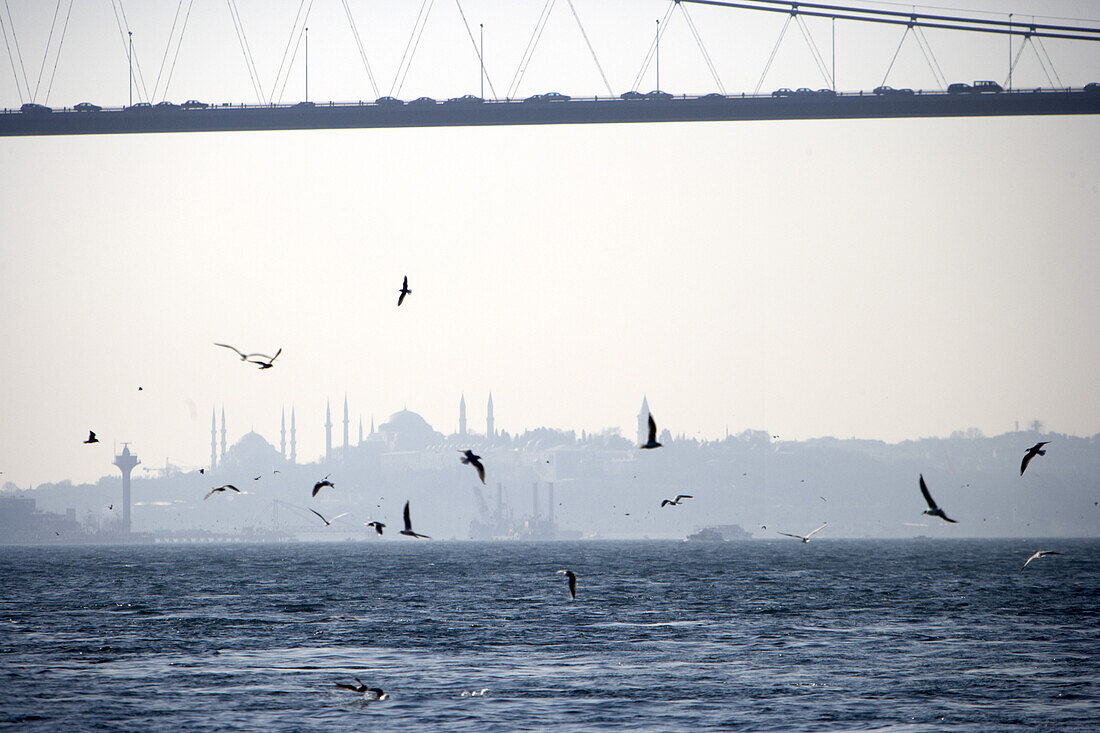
(46, 53)
(772, 57)
(167, 47)
(1050, 61)
(179, 43)
(293, 56)
(477, 50)
(359, 44)
(289, 40)
(930, 57)
(528, 52)
(896, 52)
(57, 58)
(142, 91)
(250, 65)
(14, 73)
(653, 48)
(18, 53)
(702, 48)
(411, 46)
(814, 52)
(590, 49)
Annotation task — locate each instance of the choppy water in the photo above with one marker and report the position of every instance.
(663, 636)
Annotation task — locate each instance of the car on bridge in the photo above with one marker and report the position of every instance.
(87, 107)
(631, 96)
(826, 93)
(32, 108)
(423, 102)
(468, 99)
(959, 88)
(1093, 87)
(658, 96)
(138, 107)
(166, 106)
(194, 104)
(885, 91)
(783, 92)
(713, 97)
(389, 102)
(987, 86)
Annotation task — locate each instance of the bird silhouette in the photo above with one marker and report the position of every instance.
(1035, 450)
(377, 526)
(91, 438)
(470, 459)
(1040, 553)
(933, 510)
(404, 291)
(651, 442)
(220, 489)
(572, 582)
(329, 521)
(321, 484)
(807, 537)
(373, 693)
(677, 500)
(408, 531)
(270, 359)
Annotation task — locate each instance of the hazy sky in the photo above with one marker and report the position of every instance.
(872, 278)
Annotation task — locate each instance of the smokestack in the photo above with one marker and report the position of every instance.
(535, 500)
(550, 504)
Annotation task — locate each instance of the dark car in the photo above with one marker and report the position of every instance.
(713, 97)
(1093, 87)
(32, 108)
(959, 88)
(784, 92)
(422, 102)
(87, 107)
(194, 104)
(389, 102)
(167, 105)
(658, 96)
(632, 95)
(804, 92)
(465, 100)
(139, 107)
(555, 97)
(885, 91)
(987, 86)
(826, 93)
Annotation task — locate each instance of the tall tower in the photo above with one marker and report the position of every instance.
(213, 439)
(643, 422)
(372, 424)
(126, 462)
(282, 432)
(489, 431)
(223, 432)
(345, 421)
(293, 438)
(462, 416)
(328, 431)
(360, 430)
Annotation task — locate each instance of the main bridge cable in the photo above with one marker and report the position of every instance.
(179, 43)
(57, 58)
(536, 34)
(653, 48)
(477, 50)
(250, 65)
(590, 49)
(702, 48)
(19, 54)
(359, 43)
(414, 42)
(1073, 33)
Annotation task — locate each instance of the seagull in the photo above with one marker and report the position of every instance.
(677, 500)
(329, 521)
(572, 582)
(807, 537)
(404, 291)
(373, 692)
(377, 526)
(1040, 553)
(220, 489)
(933, 510)
(1035, 450)
(474, 461)
(652, 441)
(408, 526)
(322, 484)
(270, 359)
(91, 438)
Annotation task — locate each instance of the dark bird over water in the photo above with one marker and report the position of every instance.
(1040, 553)
(677, 500)
(371, 692)
(475, 461)
(572, 582)
(1035, 450)
(408, 531)
(220, 489)
(377, 526)
(807, 537)
(404, 291)
(91, 438)
(933, 510)
(329, 521)
(651, 442)
(322, 484)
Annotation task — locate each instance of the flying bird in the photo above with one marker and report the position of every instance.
(572, 582)
(677, 500)
(91, 438)
(807, 537)
(202, 470)
(1035, 450)
(933, 510)
(409, 527)
(329, 521)
(1040, 553)
(248, 357)
(220, 489)
(377, 526)
(322, 484)
(270, 359)
(475, 461)
(652, 441)
(372, 693)
(404, 291)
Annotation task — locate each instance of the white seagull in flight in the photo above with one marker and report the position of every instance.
(807, 537)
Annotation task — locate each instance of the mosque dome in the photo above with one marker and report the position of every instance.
(253, 452)
(405, 430)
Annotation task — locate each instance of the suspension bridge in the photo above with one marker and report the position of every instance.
(508, 106)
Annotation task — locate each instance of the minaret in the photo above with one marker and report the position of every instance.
(643, 422)
(213, 439)
(462, 416)
(372, 424)
(282, 433)
(489, 432)
(126, 462)
(360, 430)
(293, 439)
(345, 421)
(328, 431)
(223, 432)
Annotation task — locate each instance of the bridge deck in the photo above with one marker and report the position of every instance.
(332, 115)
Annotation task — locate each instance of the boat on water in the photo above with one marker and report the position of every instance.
(719, 533)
